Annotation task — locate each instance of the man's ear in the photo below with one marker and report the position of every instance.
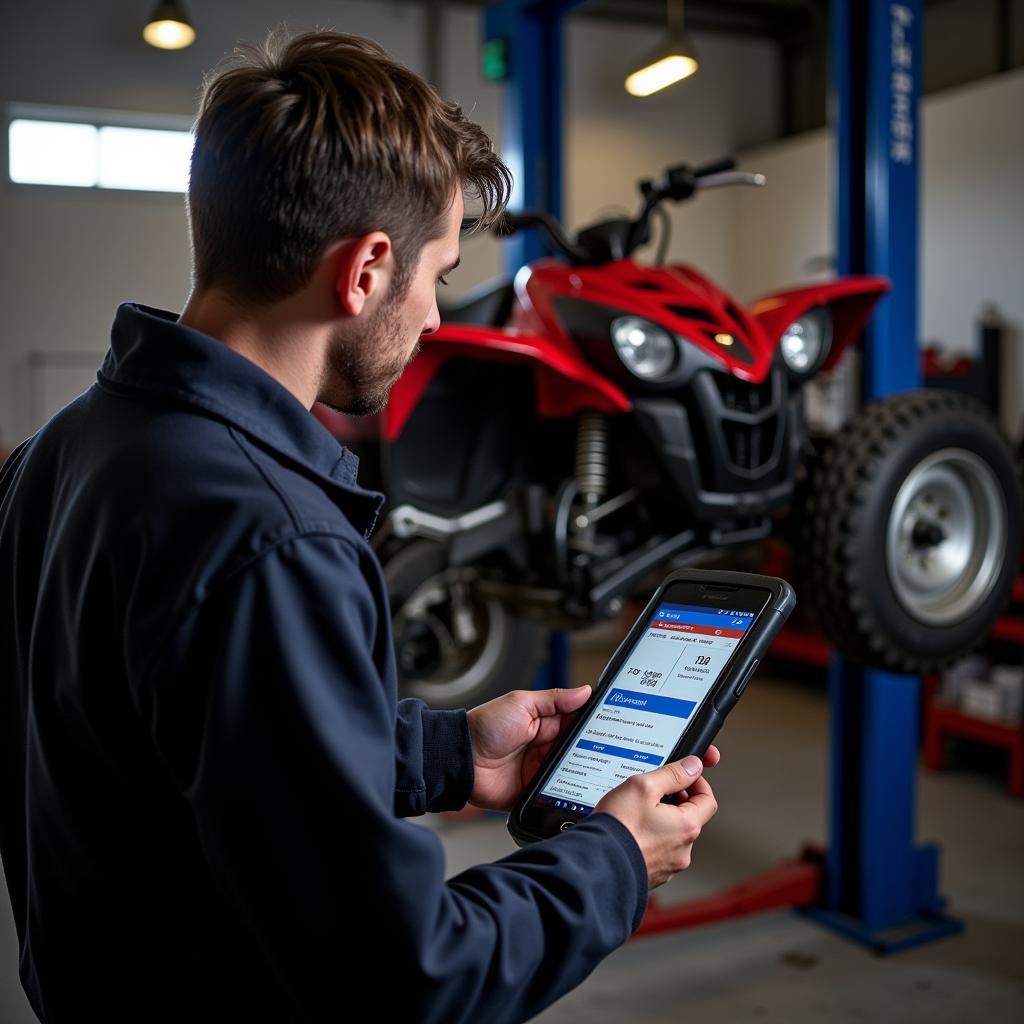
(363, 269)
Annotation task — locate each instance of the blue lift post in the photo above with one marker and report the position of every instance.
(881, 889)
(532, 33)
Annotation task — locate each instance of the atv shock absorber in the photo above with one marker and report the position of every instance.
(591, 461)
(579, 495)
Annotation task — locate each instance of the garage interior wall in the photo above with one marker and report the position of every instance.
(70, 256)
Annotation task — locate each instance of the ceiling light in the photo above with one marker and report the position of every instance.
(169, 28)
(671, 62)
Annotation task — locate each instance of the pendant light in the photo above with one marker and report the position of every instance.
(169, 28)
(671, 62)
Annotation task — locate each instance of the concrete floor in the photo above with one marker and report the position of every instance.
(772, 791)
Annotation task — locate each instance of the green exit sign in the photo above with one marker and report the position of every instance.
(495, 60)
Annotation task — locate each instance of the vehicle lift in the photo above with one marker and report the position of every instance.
(872, 884)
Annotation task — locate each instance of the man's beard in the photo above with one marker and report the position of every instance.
(366, 366)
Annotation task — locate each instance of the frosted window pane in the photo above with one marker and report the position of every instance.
(53, 153)
(144, 158)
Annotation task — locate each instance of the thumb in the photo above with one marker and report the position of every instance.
(560, 700)
(676, 775)
(571, 698)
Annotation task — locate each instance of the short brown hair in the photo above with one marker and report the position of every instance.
(304, 141)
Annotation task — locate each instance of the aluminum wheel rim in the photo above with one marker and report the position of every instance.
(954, 493)
(455, 683)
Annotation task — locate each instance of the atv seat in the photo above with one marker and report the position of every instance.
(490, 304)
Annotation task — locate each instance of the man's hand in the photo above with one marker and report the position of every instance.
(512, 735)
(665, 833)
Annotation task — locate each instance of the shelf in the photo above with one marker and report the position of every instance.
(941, 721)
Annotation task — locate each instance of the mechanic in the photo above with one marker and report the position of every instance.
(206, 769)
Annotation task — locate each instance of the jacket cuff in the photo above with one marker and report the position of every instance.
(447, 759)
(631, 851)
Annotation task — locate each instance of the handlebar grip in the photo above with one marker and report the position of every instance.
(715, 167)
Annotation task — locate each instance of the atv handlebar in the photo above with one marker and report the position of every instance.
(731, 178)
(509, 223)
(715, 167)
(617, 239)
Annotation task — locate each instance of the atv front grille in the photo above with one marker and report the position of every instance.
(739, 396)
(751, 440)
(742, 427)
(750, 447)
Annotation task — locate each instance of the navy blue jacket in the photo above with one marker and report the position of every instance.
(205, 767)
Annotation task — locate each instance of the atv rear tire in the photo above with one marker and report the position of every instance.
(435, 660)
(910, 531)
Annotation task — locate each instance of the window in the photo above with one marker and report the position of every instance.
(98, 149)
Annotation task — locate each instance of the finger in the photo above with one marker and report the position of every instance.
(559, 700)
(711, 756)
(676, 775)
(701, 801)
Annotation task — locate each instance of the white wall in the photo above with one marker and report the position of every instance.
(972, 218)
(784, 230)
(68, 257)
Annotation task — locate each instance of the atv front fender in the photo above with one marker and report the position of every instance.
(850, 299)
(564, 383)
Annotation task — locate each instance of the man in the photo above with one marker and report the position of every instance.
(205, 770)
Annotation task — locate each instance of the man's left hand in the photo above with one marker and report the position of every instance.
(511, 737)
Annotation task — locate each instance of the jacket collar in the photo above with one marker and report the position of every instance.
(151, 352)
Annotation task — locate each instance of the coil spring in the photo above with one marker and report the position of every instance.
(592, 457)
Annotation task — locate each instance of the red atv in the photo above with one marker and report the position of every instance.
(565, 439)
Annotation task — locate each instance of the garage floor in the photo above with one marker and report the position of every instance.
(772, 792)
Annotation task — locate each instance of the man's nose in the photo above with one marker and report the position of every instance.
(433, 320)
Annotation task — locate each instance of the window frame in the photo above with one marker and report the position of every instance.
(96, 118)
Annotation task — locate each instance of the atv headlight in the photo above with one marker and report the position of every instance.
(646, 350)
(805, 341)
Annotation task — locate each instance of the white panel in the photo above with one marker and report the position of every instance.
(141, 158)
(52, 153)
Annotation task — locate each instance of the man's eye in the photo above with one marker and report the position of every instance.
(442, 280)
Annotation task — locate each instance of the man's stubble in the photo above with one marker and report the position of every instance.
(362, 368)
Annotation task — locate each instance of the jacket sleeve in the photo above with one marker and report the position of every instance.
(433, 759)
(272, 717)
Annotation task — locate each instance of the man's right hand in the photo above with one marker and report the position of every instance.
(665, 833)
